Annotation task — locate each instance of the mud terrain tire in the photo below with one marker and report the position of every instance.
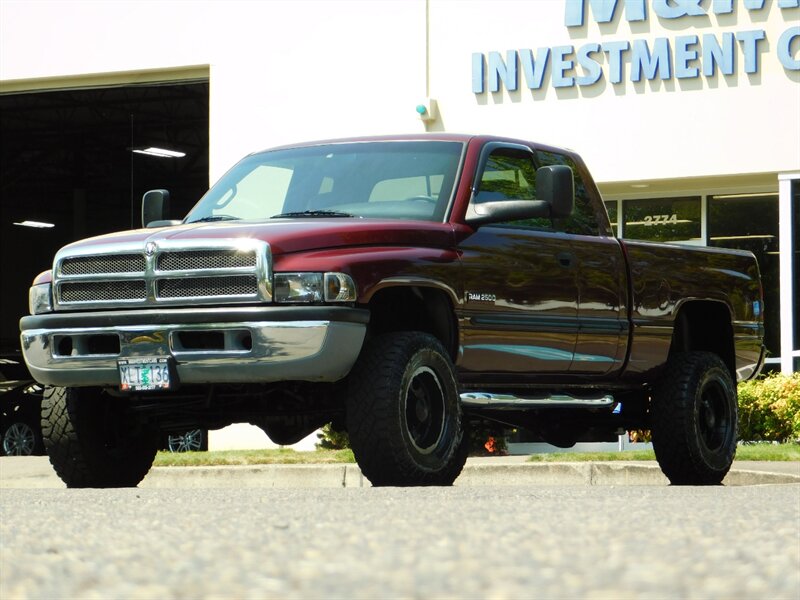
(694, 419)
(404, 412)
(91, 440)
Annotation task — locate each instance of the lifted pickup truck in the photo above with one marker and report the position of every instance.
(402, 288)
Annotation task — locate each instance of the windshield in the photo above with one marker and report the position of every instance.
(394, 180)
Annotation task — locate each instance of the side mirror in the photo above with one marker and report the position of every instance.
(555, 199)
(554, 185)
(155, 207)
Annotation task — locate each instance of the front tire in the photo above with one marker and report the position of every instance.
(92, 441)
(404, 412)
(694, 419)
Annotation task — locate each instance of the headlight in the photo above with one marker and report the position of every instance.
(298, 287)
(40, 299)
(314, 287)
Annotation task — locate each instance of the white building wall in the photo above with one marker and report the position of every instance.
(280, 71)
(629, 131)
(284, 71)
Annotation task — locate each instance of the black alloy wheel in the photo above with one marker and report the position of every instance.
(694, 419)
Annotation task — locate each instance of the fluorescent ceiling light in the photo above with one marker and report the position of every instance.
(35, 224)
(743, 237)
(160, 152)
(736, 196)
(640, 185)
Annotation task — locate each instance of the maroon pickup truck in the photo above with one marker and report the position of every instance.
(403, 288)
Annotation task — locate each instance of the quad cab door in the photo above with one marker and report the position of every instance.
(527, 311)
(520, 312)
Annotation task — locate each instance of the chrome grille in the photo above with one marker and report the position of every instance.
(195, 260)
(199, 287)
(102, 264)
(103, 291)
(167, 272)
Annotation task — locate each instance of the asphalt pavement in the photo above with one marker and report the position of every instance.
(36, 472)
(497, 543)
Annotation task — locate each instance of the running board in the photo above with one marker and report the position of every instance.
(509, 402)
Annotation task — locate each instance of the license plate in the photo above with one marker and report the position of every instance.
(143, 374)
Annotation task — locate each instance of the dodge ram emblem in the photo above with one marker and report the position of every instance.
(150, 249)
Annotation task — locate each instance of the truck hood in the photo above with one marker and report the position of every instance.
(291, 235)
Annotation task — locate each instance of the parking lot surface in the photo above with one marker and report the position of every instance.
(469, 542)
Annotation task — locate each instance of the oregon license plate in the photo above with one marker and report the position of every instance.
(142, 374)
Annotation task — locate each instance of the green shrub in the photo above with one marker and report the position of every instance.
(332, 439)
(769, 408)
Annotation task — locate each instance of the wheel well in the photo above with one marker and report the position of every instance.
(705, 326)
(415, 308)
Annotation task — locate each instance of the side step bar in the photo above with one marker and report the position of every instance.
(509, 402)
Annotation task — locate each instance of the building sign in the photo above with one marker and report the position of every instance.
(682, 57)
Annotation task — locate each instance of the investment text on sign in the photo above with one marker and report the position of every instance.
(681, 57)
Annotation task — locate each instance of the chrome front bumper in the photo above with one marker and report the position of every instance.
(228, 345)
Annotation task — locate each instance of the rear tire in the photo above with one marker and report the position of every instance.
(92, 441)
(694, 419)
(404, 412)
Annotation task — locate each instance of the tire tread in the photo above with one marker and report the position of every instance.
(372, 413)
(675, 435)
(71, 438)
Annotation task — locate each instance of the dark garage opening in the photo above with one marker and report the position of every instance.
(67, 159)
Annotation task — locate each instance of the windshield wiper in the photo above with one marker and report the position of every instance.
(311, 214)
(215, 218)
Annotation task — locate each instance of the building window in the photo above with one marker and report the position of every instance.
(750, 222)
(613, 213)
(663, 219)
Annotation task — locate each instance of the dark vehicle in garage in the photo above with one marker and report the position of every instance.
(402, 288)
(20, 409)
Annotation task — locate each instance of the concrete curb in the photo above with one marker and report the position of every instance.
(38, 474)
(599, 473)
